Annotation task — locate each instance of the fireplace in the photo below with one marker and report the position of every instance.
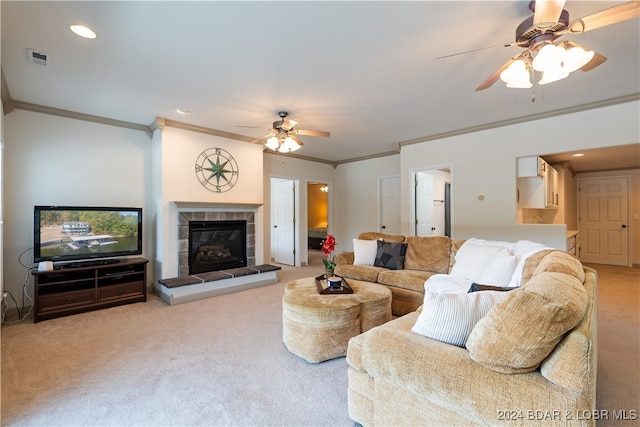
(217, 245)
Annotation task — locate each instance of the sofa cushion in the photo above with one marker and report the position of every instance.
(499, 269)
(561, 262)
(406, 279)
(472, 259)
(450, 317)
(519, 332)
(364, 251)
(390, 255)
(570, 364)
(374, 235)
(428, 253)
(455, 247)
(367, 273)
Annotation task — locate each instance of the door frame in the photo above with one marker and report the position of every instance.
(412, 192)
(296, 207)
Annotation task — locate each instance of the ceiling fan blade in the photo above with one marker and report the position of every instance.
(260, 140)
(288, 124)
(312, 132)
(595, 61)
(496, 75)
(606, 17)
(547, 11)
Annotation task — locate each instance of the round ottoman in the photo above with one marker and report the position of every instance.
(318, 327)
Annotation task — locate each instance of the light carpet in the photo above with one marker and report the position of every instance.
(221, 361)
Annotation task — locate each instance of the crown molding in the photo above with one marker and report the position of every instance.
(529, 118)
(36, 108)
(5, 96)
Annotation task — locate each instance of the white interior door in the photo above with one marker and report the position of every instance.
(603, 220)
(389, 188)
(424, 204)
(283, 220)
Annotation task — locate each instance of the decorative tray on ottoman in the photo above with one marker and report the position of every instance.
(324, 289)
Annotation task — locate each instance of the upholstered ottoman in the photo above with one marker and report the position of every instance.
(318, 327)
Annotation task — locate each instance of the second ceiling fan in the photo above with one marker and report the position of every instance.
(555, 60)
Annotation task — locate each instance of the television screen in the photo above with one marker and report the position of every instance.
(67, 233)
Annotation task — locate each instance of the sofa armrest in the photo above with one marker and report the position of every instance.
(344, 258)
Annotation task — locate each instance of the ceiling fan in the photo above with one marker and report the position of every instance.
(283, 136)
(538, 34)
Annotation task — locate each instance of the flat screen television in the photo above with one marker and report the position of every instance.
(75, 233)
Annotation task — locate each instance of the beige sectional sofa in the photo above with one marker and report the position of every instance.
(531, 360)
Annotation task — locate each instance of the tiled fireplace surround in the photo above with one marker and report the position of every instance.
(183, 234)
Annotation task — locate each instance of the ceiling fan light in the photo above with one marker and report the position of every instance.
(553, 75)
(576, 58)
(290, 144)
(516, 75)
(520, 85)
(272, 143)
(548, 57)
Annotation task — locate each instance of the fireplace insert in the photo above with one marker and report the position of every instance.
(217, 245)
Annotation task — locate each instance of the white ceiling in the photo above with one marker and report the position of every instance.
(365, 70)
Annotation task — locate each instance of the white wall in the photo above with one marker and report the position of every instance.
(356, 195)
(57, 161)
(484, 163)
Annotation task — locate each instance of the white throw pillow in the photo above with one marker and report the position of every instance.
(472, 259)
(450, 317)
(498, 270)
(364, 251)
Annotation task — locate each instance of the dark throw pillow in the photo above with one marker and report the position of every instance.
(477, 287)
(390, 255)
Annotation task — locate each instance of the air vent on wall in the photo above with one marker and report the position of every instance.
(39, 58)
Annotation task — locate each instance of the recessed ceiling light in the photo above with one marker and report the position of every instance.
(182, 111)
(83, 31)
(578, 155)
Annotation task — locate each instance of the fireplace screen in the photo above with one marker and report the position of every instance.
(217, 245)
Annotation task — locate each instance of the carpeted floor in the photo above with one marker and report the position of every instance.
(221, 361)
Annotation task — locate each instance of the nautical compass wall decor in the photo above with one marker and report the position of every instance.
(217, 170)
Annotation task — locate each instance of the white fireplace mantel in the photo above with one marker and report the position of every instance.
(212, 205)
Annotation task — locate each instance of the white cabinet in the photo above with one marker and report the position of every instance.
(531, 166)
(537, 184)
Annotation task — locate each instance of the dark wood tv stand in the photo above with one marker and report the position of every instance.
(75, 289)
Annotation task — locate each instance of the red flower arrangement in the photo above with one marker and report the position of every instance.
(328, 246)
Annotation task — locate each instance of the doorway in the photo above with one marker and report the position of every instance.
(432, 210)
(318, 199)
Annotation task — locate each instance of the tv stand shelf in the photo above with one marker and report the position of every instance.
(70, 290)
